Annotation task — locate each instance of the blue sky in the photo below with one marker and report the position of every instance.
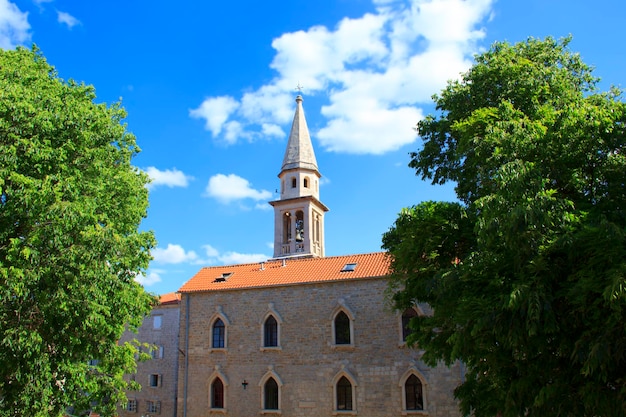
(209, 87)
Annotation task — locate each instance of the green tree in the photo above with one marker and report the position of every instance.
(527, 274)
(70, 207)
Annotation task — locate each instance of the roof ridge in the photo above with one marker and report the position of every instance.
(320, 259)
(294, 259)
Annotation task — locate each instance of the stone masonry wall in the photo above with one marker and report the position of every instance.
(307, 362)
(166, 367)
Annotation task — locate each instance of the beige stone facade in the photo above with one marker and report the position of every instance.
(158, 376)
(307, 363)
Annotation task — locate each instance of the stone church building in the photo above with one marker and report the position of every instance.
(302, 334)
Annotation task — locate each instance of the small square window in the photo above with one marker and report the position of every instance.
(157, 352)
(131, 406)
(153, 407)
(155, 380)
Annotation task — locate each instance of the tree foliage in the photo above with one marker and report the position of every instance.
(527, 275)
(70, 207)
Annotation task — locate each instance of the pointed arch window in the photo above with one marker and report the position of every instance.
(342, 329)
(342, 326)
(270, 394)
(344, 391)
(407, 315)
(270, 326)
(217, 393)
(270, 332)
(218, 340)
(413, 393)
(218, 388)
(270, 387)
(218, 330)
(344, 394)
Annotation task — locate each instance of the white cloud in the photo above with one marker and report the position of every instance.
(228, 188)
(242, 258)
(173, 254)
(215, 111)
(170, 178)
(67, 19)
(270, 129)
(233, 131)
(215, 257)
(152, 278)
(374, 130)
(263, 206)
(375, 71)
(270, 103)
(14, 26)
(211, 252)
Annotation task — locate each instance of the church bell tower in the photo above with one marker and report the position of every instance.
(299, 214)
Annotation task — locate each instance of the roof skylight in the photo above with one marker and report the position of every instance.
(348, 267)
(223, 277)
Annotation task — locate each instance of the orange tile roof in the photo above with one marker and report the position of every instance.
(294, 271)
(169, 298)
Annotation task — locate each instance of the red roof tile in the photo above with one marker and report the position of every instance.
(294, 271)
(169, 298)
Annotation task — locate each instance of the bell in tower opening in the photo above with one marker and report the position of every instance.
(299, 226)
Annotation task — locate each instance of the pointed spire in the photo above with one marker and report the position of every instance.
(299, 213)
(299, 152)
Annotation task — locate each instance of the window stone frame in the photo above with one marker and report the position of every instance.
(402, 384)
(353, 382)
(219, 314)
(271, 374)
(342, 307)
(271, 311)
(217, 374)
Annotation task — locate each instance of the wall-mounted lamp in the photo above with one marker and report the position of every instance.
(244, 384)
